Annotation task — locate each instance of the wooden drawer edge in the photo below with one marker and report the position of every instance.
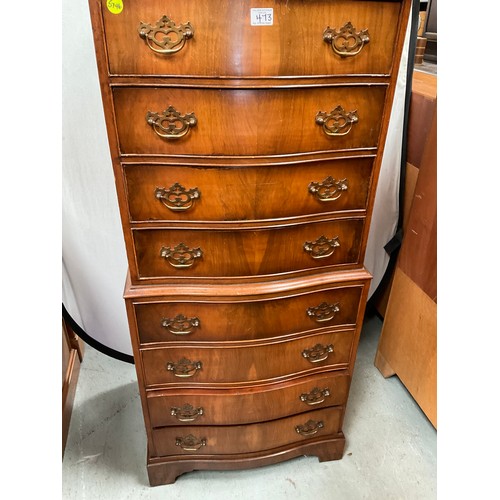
(163, 470)
(312, 281)
(247, 405)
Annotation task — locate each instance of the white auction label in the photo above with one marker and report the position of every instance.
(261, 17)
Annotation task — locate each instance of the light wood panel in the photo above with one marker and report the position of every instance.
(408, 342)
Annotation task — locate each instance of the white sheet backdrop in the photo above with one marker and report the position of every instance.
(386, 207)
(94, 260)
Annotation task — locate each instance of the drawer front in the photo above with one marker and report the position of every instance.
(200, 440)
(243, 363)
(164, 253)
(164, 193)
(246, 320)
(225, 43)
(244, 406)
(248, 122)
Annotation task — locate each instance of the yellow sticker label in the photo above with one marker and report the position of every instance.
(114, 6)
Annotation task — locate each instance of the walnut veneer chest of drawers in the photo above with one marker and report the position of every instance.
(246, 139)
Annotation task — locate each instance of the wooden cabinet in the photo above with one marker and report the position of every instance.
(246, 140)
(408, 342)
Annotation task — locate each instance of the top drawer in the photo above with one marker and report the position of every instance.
(220, 39)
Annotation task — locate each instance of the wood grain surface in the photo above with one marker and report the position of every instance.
(252, 155)
(246, 193)
(247, 122)
(247, 252)
(238, 439)
(247, 405)
(247, 320)
(225, 43)
(244, 364)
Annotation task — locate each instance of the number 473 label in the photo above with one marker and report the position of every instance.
(261, 17)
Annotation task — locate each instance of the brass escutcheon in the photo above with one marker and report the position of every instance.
(180, 325)
(310, 428)
(177, 198)
(317, 353)
(184, 368)
(187, 413)
(315, 397)
(337, 122)
(324, 312)
(346, 41)
(190, 442)
(322, 248)
(165, 37)
(329, 189)
(170, 124)
(181, 256)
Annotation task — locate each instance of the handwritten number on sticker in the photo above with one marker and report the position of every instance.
(261, 17)
(114, 6)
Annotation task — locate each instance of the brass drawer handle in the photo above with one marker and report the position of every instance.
(310, 428)
(337, 122)
(170, 124)
(184, 368)
(322, 247)
(177, 198)
(190, 443)
(187, 413)
(181, 256)
(328, 190)
(317, 353)
(165, 37)
(180, 325)
(346, 42)
(324, 312)
(315, 397)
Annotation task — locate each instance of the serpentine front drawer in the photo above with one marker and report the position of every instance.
(203, 38)
(251, 318)
(250, 251)
(247, 122)
(211, 193)
(242, 363)
(173, 407)
(235, 439)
